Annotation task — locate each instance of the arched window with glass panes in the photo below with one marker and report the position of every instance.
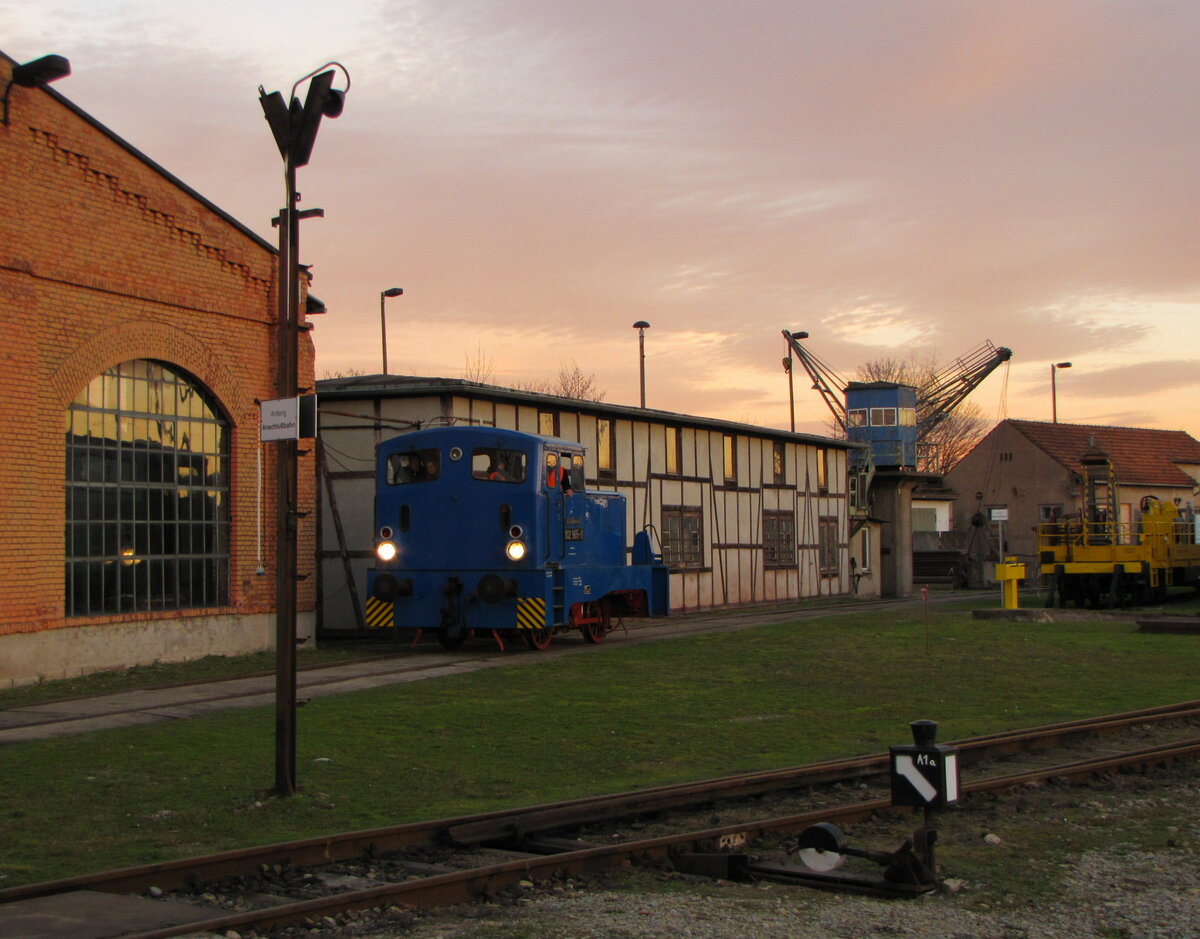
(147, 487)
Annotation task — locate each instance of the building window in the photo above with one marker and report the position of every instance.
(1050, 513)
(779, 461)
(883, 417)
(674, 450)
(779, 539)
(147, 494)
(864, 543)
(924, 519)
(682, 536)
(606, 461)
(548, 423)
(822, 471)
(828, 545)
(858, 490)
(730, 443)
(856, 417)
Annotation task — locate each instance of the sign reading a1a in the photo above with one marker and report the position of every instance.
(925, 774)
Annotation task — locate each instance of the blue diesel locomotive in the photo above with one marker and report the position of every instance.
(482, 530)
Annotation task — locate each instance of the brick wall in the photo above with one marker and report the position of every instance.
(103, 258)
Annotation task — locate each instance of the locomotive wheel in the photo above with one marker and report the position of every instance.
(538, 638)
(595, 632)
(449, 642)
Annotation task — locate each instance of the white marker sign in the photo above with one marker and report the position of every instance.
(288, 418)
(908, 770)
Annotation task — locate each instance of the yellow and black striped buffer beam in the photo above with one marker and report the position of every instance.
(378, 613)
(531, 613)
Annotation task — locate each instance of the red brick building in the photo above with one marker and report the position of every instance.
(141, 324)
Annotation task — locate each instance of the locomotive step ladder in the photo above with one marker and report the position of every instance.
(558, 613)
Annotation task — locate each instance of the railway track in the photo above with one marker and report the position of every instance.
(448, 861)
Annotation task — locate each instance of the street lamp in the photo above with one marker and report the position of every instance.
(294, 126)
(787, 367)
(390, 292)
(788, 362)
(641, 326)
(1054, 389)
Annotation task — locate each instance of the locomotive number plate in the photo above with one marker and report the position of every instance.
(574, 534)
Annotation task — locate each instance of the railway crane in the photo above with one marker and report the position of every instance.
(895, 419)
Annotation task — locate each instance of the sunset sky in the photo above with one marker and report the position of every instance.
(891, 176)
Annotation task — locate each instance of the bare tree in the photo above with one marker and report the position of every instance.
(571, 383)
(343, 373)
(481, 368)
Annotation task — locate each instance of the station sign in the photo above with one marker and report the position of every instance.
(924, 774)
(288, 418)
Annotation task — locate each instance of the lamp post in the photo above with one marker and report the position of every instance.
(294, 127)
(788, 362)
(787, 367)
(383, 295)
(1054, 367)
(641, 326)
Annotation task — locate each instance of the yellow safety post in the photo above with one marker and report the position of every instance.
(1010, 573)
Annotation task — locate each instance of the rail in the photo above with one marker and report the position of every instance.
(526, 829)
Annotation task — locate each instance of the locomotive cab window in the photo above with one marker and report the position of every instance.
(565, 471)
(497, 465)
(417, 466)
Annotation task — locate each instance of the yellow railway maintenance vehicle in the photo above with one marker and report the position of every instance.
(1093, 559)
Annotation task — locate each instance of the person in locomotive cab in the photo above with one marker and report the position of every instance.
(431, 465)
(495, 470)
(556, 474)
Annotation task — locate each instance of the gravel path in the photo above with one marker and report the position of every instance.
(1142, 882)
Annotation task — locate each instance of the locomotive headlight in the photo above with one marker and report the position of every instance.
(515, 550)
(385, 551)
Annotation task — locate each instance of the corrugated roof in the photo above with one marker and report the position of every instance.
(1140, 456)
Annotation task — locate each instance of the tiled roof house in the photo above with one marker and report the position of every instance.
(1030, 471)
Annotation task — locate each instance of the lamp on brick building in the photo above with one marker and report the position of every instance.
(39, 72)
(383, 295)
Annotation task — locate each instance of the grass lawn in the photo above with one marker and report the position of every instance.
(616, 717)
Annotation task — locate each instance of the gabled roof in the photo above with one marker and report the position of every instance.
(1140, 456)
(154, 167)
